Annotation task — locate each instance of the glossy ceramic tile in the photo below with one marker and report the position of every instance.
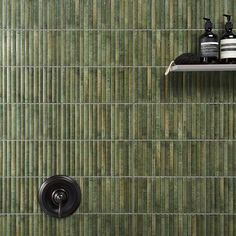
(83, 93)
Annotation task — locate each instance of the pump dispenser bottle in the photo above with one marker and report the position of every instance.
(209, 45)
(228, 43)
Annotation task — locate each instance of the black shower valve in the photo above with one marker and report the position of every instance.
(59, 196)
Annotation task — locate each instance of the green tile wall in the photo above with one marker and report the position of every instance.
(83, 93)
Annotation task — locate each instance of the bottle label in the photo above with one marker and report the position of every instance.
(227, 48)
(209, 49)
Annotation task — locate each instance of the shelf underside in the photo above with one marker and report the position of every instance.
(208, 67)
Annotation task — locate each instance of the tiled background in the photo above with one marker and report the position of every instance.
(83, 93)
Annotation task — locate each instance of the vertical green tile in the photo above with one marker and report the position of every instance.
(87, 50)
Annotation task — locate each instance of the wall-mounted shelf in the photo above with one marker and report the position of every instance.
(209, 67)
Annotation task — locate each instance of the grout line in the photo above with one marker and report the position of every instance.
(116, 103)
(92, 66)
(112, 156)
(40, 74)
(83, 66)
(113, 151)
(117, 140)
(133, 118)
(125, 177)
(106, 29)
(129, 213)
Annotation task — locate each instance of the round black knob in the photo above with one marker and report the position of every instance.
(59, 196)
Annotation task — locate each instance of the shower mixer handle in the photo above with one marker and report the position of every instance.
(59, 196)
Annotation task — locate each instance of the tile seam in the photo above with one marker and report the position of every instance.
(106, 29)
(118, 140)
(128, 177)
(130, 213)
(116, 103)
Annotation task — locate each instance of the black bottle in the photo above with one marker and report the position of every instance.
(209, 45)
(228, 43)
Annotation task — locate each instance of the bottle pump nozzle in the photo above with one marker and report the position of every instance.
(228, 17)
(229, 24)
(208, 25)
